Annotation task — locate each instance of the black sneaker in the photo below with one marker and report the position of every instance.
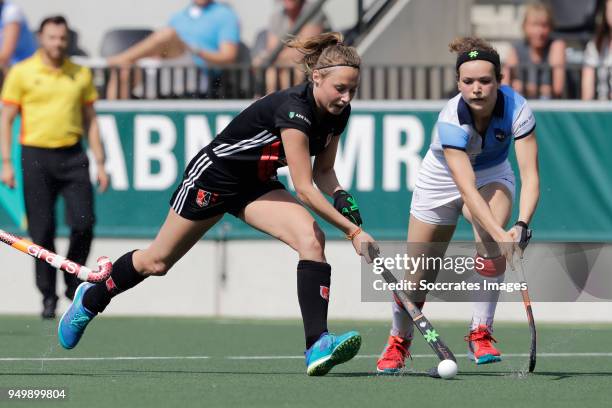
(49, 305)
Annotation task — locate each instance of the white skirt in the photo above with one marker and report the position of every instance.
(436, 198)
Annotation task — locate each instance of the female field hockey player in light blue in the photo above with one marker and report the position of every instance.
(466, 171)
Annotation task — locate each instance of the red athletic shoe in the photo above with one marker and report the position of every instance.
(480, 348)
(393, 356)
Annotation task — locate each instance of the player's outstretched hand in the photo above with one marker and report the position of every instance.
(361, 242)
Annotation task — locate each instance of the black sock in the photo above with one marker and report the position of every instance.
(123, 277)
(313, 294)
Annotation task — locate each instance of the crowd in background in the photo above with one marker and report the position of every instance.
(205, 36)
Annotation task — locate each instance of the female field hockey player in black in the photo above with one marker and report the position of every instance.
(236, 173)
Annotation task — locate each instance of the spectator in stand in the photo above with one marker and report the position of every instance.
(17, 42)
(281, 23)
(597, 70)
(204, 33)
(535, 66)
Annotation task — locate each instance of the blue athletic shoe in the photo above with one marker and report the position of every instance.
(75, 319)
(331, 350)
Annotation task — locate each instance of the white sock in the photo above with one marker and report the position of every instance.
(484, 308)
(402, 325)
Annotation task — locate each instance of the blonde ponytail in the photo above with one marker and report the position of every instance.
(323, 51)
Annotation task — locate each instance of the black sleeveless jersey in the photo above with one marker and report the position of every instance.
(251, 145)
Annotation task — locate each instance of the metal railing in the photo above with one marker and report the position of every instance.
(378, 82)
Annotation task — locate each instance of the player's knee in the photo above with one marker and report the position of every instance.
(490, 267)
(319, 236)
(311, 243)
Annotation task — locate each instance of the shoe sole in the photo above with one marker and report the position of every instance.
(59, 326)
(486, 359)
(341, 354)
(388, 371)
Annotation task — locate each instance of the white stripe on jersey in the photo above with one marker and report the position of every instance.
(221, 146)
(225, 147)
(270, 138)
(189, 181)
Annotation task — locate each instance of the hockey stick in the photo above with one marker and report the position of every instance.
(532, 328)
(82, 272)
(423, 325)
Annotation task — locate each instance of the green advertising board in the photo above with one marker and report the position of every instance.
(148, 145)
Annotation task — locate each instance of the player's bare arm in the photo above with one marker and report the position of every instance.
(527, 158)
(465, 179)
(298, 161)
(9, 113)
(324, 174)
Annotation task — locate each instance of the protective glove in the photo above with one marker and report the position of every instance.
(347, 206)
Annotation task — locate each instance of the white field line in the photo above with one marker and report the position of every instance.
(137, 358)
(154, 358)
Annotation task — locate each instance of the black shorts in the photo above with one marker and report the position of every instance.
(210, 187)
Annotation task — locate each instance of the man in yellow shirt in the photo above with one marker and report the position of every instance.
(55, 98)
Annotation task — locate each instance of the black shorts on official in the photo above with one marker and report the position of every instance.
(210, 187)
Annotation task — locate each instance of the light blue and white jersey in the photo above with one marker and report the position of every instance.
(512, 119)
